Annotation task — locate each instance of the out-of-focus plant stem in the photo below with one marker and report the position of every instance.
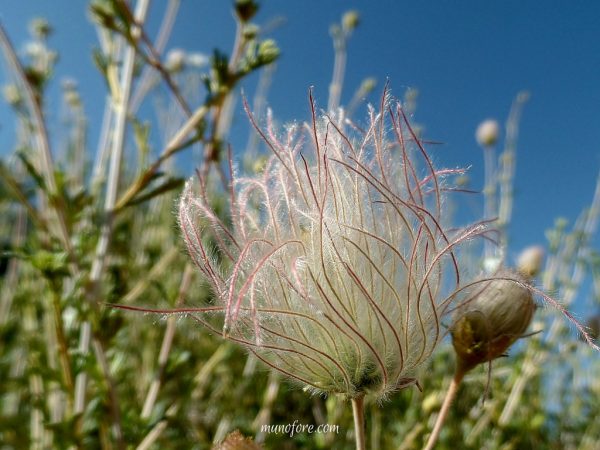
(264, 415)
(339, 69)
(489, 193)
(42, 141)
(507, 166)
(165, 347)
(174, 145)
(156, 430)
(146, 79)
(223, 110)
(120, 100)
(12, 274)
(534, 358)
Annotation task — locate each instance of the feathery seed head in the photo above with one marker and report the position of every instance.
(336, 258)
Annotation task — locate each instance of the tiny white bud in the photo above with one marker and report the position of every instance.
(350, 20)
(530, 260)
(175, 60)
(12, 94)
(487, 133)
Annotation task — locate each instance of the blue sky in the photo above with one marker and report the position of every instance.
(468, 59)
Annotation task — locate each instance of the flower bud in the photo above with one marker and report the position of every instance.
(246, 9)
(350, 20)
(175, 60)
(236, 441)
(268, 51)
(593, 326)
(368, 84)
(493, 320)
(40, 28)
(530, 261)
(487, 133)
(12, 94)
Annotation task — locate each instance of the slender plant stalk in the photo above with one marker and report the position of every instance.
(102, 150)
(148, 77)
(339, 69)
(489, 194)
(112, 393)
(63, 345)
(507, 167)
(534, 358)
(358, 411)
(38, 434)
(41, 138)
(264, 415)
(118, 142)
(409, 440)
(171, 148)
(223, 106)
(203, 377)
(258, 105)
(164, 262)
(165, 347)
(450, 394)
(157, 429)
(11, 278)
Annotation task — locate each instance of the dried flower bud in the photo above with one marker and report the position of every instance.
(487, 133)
(237, 441)
(350, 20)
(493, 320)
(40, 28)
(246, 9)
(593, 326)
(530, 261)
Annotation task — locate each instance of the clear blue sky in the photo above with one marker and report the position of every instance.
(467, 59)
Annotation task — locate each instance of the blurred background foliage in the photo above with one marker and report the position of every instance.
(81, 229)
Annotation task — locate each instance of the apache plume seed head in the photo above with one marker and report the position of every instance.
(486, 325)
(333, 267)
